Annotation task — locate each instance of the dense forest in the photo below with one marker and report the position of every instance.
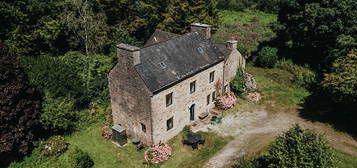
(55, 56)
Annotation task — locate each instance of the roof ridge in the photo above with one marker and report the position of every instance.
(179, 36)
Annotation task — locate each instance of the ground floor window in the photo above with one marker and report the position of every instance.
(213, 96)
(208, 99)
(170, 123)
(226, 88)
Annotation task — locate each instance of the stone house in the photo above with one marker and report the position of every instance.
(158, 89)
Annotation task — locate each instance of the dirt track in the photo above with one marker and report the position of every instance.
(253, 131)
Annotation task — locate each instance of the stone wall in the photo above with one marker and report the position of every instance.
(130, 98)
(182, 100)
(234, 61)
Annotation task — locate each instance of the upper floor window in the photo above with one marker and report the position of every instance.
(143, 127)
(192, 86)
(169, 99)
(211, 77)
(170, 123)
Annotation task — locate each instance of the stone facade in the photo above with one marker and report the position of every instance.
(144, 113)
(182, 101)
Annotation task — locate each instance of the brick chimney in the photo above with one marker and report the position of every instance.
(232, 44)
(203, 29)
(128, 54)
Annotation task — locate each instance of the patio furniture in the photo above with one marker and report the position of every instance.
(216, 120)
(194, 140)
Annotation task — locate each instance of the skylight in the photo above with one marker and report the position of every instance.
(163, 66)
(200, 50)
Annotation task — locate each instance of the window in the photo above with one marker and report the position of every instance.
(213, 96)
(208, 99)
(162, 65)
(211, 77)
(168, 99)
(192, 112)
(226, 88)
(200, 50)
(170, 123)
(192, 86)
(143, 127)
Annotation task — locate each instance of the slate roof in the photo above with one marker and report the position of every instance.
(160, 36)
(224, 49)
(172, 61)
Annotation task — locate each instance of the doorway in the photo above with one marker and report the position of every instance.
(192, 112)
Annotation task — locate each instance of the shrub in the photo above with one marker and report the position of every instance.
(58, 114)
(226, 101)
(267, 57)
(79, 158)
(238, 83)
(341, 83)
(303, 76)
(54, 146)
(158, 153)
(20, 109)
(299, 148)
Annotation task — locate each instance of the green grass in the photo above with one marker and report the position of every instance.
(107, 155)
(345, 160)
(277, 89)
(249, 28)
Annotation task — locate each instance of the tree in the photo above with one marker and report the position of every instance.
(19, 109)
(267, 57)
(299, 148)
(87, 24)
(181, 14)
(341, 83)
(311, 28)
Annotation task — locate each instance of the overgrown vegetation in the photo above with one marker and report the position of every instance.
(19, 109)
(267, 57)
(295, 148)
(238, 83)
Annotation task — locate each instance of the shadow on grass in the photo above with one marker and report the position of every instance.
(320, 107)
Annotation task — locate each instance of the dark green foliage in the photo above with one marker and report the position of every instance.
(238, 5)
(54, 146)
(341, 83)
(267, 57)
(58, 114)
(238, 83)
(79, 158)
(269, 6)
(19, 109)
(296, 148)
(310, 28)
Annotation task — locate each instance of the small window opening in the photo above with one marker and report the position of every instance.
(211, 77)
(170, 123)
(168, 99)
(208, 99)
(193, 87)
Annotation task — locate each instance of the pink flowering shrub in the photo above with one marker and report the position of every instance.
(250, 84)
(226, 101)
(255, 96)
(158, 153)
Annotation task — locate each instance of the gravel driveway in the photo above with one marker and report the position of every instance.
(253, 131)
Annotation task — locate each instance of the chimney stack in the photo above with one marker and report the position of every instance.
(232, 44)
(202, 29)
(129, 54)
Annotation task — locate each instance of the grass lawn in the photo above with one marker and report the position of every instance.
(106, 155)
(277, 90)
(247, 27)
(345, 160)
